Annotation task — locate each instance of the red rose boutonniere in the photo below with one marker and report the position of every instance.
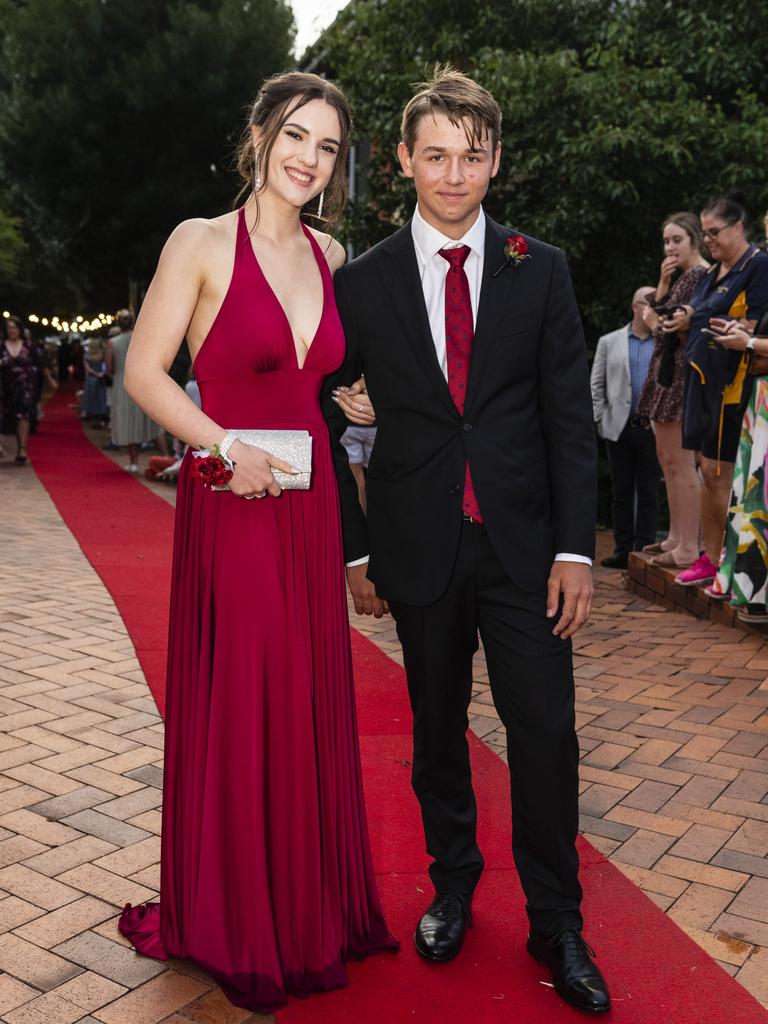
(210, 469)
(515, 251)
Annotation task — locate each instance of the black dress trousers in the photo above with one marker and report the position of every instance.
(531, 678)
(635, 478)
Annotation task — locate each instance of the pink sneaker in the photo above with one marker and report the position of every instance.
(702, 571)
(714, 591)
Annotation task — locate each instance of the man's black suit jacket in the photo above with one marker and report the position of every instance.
(527, 428)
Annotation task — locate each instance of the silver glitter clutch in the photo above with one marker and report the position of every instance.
(291, 446)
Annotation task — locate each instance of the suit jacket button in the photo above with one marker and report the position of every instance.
(454, 488)
(467, 428)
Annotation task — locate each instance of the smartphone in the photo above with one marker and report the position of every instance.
(719, 325)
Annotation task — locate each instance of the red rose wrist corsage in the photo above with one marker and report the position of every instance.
(211, 468)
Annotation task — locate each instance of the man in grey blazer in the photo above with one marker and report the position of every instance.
(618, 374)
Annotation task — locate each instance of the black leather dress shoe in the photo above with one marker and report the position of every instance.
(569, 958)
(440, 932)
(615, 562)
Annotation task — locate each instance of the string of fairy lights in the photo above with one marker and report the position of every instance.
(75, 324)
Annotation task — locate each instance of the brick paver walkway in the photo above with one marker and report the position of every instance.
(672, 721)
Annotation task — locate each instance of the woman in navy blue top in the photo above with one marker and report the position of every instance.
(716, 383)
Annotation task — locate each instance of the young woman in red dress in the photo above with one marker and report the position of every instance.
(266, 880)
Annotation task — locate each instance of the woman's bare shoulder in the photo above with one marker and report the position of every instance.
(195, 243)
(334, 252)
(199, 233)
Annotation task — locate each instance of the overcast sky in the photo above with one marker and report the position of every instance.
(312, 16)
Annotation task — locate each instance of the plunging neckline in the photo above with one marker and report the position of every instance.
(21, 346)
(315, 249)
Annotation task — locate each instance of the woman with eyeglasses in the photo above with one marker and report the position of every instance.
(743, 571)
(717, 386)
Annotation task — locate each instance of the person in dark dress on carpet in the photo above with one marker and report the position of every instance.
(22, 367)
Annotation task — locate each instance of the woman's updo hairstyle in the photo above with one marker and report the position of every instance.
(278, 100)
(691, 225)
(730, 208)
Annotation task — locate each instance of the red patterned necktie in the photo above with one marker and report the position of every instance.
(459, 335)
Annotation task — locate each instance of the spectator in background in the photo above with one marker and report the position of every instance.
(76, 358)
(619, 372)
(130, 426)
(64, 358)
(113, 331)
(40, 359)
(167, 467)
(20, 364)
(661, 401)
(743, 571)
(358, 442)
(192, 388)
(95, 396)
(716, 383)
(359, 437)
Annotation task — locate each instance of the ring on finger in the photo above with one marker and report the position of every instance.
(261, 494)
(250, 497)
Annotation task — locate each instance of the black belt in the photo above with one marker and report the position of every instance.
(638, 421)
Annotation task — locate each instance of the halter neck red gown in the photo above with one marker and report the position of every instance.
(266, 875)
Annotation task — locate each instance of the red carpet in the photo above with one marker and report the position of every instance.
(125, 531)
(656, 973)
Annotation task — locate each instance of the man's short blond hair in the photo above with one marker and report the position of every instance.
(460, 99)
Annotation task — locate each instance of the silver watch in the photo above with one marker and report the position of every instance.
(751, 343)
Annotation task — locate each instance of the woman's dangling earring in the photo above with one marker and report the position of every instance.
(256, 175)
(320, 204)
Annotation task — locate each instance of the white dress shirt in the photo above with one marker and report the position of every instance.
(427, 241)
(433, 269)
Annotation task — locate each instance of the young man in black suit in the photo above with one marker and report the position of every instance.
(481, 511)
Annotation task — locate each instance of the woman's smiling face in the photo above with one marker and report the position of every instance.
(304, 153)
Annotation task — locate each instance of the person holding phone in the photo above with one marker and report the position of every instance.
(717, 386)
(743, 569)
(661, 401)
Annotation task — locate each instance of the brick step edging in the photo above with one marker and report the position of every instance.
(656, 584)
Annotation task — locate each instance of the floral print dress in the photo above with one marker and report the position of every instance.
(663, 402)
(19, 388)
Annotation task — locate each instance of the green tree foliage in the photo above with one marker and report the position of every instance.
(616, 113)
(12, 247)
(118, 119)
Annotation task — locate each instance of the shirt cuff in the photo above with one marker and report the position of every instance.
(358, 561)
(573, 558)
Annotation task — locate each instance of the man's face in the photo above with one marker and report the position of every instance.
(640, 301)
(450, 174)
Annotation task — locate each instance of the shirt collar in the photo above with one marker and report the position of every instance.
(648, 337)
(428, 241)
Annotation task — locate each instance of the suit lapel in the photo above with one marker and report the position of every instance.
(401, 278)
(494, 293)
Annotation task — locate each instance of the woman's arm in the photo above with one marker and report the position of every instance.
(160, 329)
(40, 361)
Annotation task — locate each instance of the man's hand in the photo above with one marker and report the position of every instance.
(363, 592)
(574, 581)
